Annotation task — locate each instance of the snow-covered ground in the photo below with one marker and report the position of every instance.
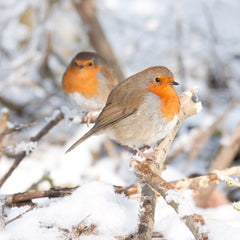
(198, 40)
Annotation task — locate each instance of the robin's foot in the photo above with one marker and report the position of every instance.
(146, 152)
(90, 117)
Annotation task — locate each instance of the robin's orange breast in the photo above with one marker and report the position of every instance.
(170, 103)
(82, 81)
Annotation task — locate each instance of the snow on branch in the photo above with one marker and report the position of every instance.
(20, 156)
(23, 149)
(194, 222)
(206, 180)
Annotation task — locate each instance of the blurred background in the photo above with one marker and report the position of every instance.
(198, 40)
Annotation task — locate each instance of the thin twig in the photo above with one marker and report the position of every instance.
(82, 229)
(132, 236)
(20, 156)
(36, 138)
(16, 128)
(22, 214)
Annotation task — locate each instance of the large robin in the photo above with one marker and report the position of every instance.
(140, 110)
(88, 80)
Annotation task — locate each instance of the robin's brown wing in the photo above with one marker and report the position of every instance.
(120, 104)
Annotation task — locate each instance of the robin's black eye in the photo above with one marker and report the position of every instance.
(157, 79)
(90, 64)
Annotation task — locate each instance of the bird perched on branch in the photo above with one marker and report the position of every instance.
(88, 80)
(140, 110)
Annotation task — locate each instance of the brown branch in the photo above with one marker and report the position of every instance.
(96, 35)
(20, 156)
(146, 213)
(204, 181)
(132, 191)
(144, 172)
(16, 128)
(132, 236)
(193, 183)
(17, 198)
(4, 119)
(3, 128)
(2, 221)
(44, 68)
(36, 138)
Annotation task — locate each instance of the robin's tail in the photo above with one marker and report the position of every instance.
(79, 141)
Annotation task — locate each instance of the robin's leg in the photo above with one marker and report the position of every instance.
(146, 152)
(91, 117)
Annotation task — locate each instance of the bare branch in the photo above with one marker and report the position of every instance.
(144, 172)
(96, 35)
(17, 198)
(20, 156)
(204, 181)
(3, 128)
(132, 236)
(36, 138)
(2, 222)
(16, 128)
(146, 213)
(22, 214)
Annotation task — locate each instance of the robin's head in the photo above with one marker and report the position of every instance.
(160, 81)
(81, 74)
(88, 60)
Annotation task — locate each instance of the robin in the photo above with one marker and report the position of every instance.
(140, 110)
(88, 80)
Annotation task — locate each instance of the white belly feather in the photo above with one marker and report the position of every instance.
(147, 126)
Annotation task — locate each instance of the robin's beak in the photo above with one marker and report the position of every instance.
(81, 66)
(173, 83)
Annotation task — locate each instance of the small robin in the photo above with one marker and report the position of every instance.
(140, 110)
(88, 81)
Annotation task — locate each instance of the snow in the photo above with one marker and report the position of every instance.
(184, 208)
(23, 146)
(192, 38)
(223, 222)
(91, 202)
